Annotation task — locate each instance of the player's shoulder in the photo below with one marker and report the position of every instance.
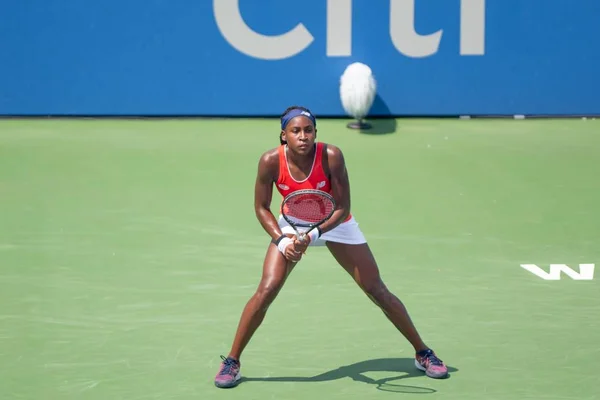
(269, 161)
(333, 151)
(270, 156)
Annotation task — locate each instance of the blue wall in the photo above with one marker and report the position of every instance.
(170, 58)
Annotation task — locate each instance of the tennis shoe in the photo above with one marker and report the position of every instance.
(428, 362)
(229, 374)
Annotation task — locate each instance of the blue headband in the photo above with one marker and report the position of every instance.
(293, 113)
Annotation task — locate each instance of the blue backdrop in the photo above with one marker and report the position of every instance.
(145, 57)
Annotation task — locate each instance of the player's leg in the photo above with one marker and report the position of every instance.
(359, 262)
(275, 271)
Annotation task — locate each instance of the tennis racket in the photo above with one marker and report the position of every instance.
(307, 208)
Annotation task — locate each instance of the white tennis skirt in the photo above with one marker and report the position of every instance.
(347, 232)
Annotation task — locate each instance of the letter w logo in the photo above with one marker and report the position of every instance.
(586, 272)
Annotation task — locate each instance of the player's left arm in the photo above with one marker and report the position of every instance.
(340, 188)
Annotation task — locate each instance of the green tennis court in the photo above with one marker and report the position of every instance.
(129, 248)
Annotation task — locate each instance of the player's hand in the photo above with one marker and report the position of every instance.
(301, 244)
(291, 253)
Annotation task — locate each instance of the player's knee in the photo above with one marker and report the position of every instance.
(267, 292)
(376, 290)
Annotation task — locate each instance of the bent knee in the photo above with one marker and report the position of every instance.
(376, 290)
(266, 293)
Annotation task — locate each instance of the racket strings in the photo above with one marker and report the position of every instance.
(310, 208)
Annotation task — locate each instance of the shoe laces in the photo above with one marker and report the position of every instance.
(228, 365)
(432, 358)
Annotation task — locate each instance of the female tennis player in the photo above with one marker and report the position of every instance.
(302, 163)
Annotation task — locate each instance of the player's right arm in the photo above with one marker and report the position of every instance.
(263, 193)
(268, 166)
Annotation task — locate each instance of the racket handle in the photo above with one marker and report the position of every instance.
(302, 236)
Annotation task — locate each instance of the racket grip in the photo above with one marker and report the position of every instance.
(302, 236)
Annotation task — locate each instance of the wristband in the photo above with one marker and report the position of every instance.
(284, 242)
(278, 240)
(314, 235)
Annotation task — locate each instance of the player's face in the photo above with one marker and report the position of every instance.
(300, 135)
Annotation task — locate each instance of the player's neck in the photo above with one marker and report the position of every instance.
(301, 161)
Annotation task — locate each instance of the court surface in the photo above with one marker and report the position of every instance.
(129, 248)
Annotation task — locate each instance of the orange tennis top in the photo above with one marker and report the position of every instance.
(316, 179)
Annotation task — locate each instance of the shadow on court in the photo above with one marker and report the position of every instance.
(380, 126)
(356, 372)
(380, 118)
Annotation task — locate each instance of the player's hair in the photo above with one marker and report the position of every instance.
(287, 110)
